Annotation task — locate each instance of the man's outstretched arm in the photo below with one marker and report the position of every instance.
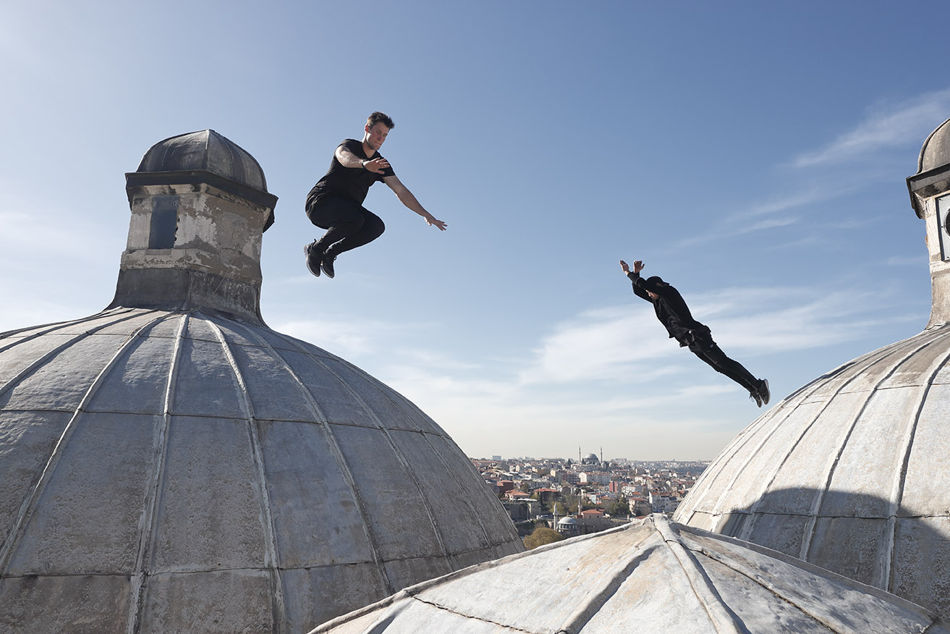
(409, 200)
(634, 276)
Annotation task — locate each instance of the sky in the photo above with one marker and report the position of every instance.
(753, 154)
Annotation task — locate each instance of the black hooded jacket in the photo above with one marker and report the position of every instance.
(671, 310)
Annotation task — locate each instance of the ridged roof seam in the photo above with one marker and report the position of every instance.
(28, 505)
(271, 559)
(148, 520)
(422, 586)
(35, 365)
(704, 484)
(745, 439)
(870, 361)
(583, 614)
(397, 452)
(897, 490)
(334, 445)
(721, 616)
(478, 481)
(766, 583)
(389, 395)
(49, 328)
(465, 500)
(809, 529)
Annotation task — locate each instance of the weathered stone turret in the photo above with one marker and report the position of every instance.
(199, 206)
(930, 197)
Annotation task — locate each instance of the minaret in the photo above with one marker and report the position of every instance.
(199, 208)
(930, 197)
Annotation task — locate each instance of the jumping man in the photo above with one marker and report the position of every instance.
(674, 314)
(336, 202)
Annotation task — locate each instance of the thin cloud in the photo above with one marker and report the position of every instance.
(883, 129)
(916, 260)
(784, 203)
(350, 338)
(740, 230)
(38, 229)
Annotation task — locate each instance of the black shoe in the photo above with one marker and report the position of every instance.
(764, 391)
(313, 258)
(754, 395)
(327, 264)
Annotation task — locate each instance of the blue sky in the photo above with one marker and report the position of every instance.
(753, 154)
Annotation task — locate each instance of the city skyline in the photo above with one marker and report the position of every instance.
(754, 156)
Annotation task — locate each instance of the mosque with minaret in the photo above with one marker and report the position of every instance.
(172, 464)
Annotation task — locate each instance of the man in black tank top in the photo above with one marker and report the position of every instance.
(336, 202)
(673, 313)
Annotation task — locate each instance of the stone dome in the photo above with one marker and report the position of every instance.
(208, 151)
(168, 468)
(852, 471)
(173, 464)
(935, 151)
(648, 576)
(204, 158)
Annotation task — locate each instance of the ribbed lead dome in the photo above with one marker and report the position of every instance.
(935, 151)
(208, 151)
(649, 576)
(176, 471)
(172, 464)
(851, 472)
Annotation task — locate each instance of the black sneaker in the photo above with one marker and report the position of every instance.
(754, 395)
(764, 391)
(327, 264)
(313, 258)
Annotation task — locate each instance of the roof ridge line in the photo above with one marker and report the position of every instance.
(722, 618)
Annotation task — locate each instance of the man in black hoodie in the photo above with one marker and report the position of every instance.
(674, 314)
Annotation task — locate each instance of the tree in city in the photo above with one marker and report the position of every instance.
(618, 508)
(540, 536)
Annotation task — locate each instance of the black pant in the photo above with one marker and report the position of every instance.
(348, 224)
(715, 357)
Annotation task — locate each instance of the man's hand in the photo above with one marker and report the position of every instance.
(435, 222)
(376, 166)
(637, 266)
(625, 267)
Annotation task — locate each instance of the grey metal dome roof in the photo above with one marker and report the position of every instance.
(208, 151)
(648, 576)
(933, 168)
(851, 472)
(935, 152)
(166, 470)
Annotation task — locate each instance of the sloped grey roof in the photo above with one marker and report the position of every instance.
(935, 152)
(208, 151)
(851, 472)
(648, 576)
(176, 471)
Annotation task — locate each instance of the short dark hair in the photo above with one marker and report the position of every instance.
(379, 117)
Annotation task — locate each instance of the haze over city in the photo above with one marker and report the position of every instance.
(753, 155)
